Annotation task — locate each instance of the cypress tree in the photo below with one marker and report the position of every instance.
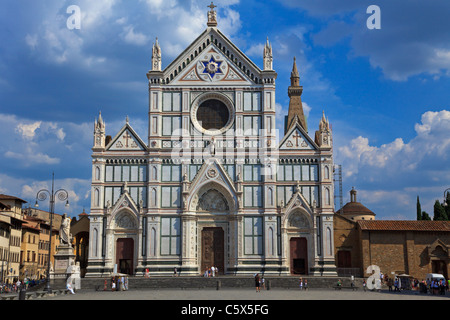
(439, 212)
(419, 210)
(425, 216)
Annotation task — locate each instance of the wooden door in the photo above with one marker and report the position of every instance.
(344, 259)
(125, 256)
(299, 256)
(213, 250)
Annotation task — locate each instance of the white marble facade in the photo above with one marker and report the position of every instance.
(212, 163)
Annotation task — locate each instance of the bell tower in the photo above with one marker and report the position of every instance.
(295, 104)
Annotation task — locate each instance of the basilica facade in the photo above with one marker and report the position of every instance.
(214, 183)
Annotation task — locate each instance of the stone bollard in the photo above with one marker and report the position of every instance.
(219, 284)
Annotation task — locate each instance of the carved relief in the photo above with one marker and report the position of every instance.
(125, 221)
(212, 200)
(298, 220)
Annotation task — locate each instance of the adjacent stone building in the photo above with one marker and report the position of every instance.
(406, 247)
(397, 247)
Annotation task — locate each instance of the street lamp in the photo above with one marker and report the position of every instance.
(445, 197)
(62, 195)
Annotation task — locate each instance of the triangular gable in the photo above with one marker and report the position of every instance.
(297, 139)
(212, 66)
(298, 201)
(238, 67)
(127, 139)
(125, 201)
(212, 172)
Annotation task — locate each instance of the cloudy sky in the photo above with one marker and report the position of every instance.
(385, 91)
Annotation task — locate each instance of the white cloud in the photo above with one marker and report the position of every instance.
(28, 131)
(31, 158)
(132, 37)
(32, 41)
(395, 173)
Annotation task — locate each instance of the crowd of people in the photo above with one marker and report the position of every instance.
(119, 283)
(19, 285)
(431, 286)
(211, 272)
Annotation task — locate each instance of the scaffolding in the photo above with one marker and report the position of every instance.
(337, 179)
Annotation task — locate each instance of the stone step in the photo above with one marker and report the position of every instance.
(220, 282)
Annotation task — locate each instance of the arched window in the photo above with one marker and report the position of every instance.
(271, 247)
(97, 197)
(153, 242)
(95, 243)
(97, 173)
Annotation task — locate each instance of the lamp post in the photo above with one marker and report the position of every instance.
(42, 195)
(445, 197)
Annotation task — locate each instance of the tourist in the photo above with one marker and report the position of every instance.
(213, 271)
(300, 283)
(263, 283)
(69, 287)
(257, 283)
(175, 272)
(364, 285)
(390, 283)
(305, 285)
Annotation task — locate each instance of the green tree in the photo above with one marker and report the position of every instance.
(425, 216)
(439, 212)
(419, 210)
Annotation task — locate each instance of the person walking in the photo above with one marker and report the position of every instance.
(300, 284)
(305, 284)
(257, 283)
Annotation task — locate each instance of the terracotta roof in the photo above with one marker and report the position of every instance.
(6, 197)
(404, 225)
(355, 208)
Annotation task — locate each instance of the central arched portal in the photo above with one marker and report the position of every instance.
(213, 249)
(213, 209)
(124, 255)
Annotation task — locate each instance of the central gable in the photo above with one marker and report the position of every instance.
(211, 66)
(212, 57)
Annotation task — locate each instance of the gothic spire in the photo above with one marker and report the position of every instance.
(268, 57)
(295, 104)
(295, 76)
(156, 56)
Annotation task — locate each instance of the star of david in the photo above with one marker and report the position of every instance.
(212, 67)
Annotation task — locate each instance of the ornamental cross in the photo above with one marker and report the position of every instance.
(126, 137)
(296, 137)
(212, 6)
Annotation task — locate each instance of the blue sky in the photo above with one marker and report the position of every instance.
(385, 92)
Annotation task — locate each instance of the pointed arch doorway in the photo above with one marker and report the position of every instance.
(213, 249)
(124, 255)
